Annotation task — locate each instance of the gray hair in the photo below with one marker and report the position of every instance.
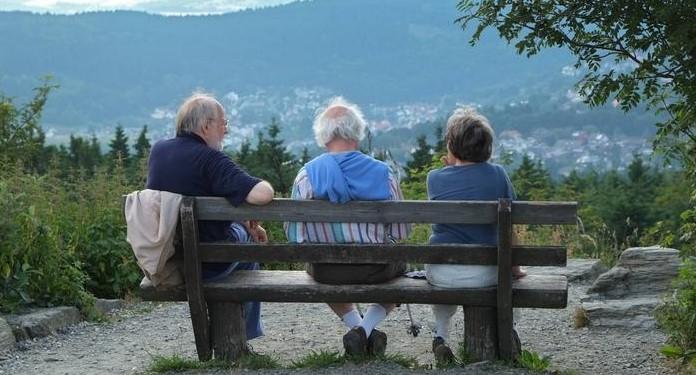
(196, 111)
(469, 135)
(340, 119)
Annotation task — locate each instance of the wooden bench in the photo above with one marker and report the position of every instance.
(216, 309)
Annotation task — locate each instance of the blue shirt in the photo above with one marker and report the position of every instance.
(480, 181)
(186, 165)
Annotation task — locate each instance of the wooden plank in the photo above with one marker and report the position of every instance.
(192, 275)
(475, 212)
(504, 292)
(466, 212)
(540, 291)
(531, 212)
(225, 252)
(228, 330)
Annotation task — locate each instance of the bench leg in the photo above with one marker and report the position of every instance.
(481, 333)
(228, 330)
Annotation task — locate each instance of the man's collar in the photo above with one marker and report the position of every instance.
(193, 136)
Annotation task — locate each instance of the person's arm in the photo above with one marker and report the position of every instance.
(261, 193)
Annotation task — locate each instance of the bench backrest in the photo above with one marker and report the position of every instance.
(503, 213)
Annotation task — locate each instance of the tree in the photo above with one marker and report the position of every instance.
(142, 145)
(21, 136)
(272, 161)
(532, 180)
(631, 51)
(420, 157)
(118, 147)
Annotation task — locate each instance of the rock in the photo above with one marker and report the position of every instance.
(639, 271)
(576, 270)
(42, 322)
(627, 294)
(106, 306)
(629, 313)
(7, 339)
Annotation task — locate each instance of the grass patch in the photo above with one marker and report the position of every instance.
(463, 357)
(533, 361)
(401, 360)
(320, 359)
(255, 361)
(324, 359)
(178, 363)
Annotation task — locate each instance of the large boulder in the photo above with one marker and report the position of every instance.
(627, 294)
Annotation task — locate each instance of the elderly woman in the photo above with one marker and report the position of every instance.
(467, 175)
(339, 175)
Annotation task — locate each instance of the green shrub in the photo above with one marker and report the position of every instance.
(678, 315)
(533, 361)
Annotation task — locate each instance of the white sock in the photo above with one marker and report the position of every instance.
(374, 315)
(443, 316)
(351, 318)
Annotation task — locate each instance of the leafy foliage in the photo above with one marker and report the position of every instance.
(533, 361)
(678, 316)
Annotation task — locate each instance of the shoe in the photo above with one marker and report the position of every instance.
(443, 354)
(376, 343)
(355, 342)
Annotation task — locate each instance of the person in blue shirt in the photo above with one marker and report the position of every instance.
(192, 163)
(467, 175)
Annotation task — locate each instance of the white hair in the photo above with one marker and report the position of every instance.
(340, 119)
(196, 111)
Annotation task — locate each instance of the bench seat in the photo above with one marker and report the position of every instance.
(540, 291)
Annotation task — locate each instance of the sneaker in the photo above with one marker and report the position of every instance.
(355, 342)
(377, 343)
(443, 354)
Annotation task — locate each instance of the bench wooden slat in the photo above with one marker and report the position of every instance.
(378, 253)
(469, 212)
(539, 291)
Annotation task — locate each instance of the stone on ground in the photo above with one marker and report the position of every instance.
(577, 270)
(7, 339)
(627, 294)
(43, 321)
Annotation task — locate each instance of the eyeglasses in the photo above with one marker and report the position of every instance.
(225, 122)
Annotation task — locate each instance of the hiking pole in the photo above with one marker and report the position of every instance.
(415, 328)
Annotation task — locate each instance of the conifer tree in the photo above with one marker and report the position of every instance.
(142, 145)
(118, 148)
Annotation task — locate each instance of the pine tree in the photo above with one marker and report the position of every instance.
(142, 145)
(118, 148)
(420, 157)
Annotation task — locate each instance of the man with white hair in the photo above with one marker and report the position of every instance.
(192, 163)
(342, 174)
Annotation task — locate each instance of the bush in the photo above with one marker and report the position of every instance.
(63, 240)
(678, 315)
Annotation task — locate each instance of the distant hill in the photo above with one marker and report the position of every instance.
(122, 66)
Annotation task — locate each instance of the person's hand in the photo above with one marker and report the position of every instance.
(446, 161)
(256, 231)
(518, 272)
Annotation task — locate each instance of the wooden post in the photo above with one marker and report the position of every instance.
(228, 330)
(504, 300)
(192, 275)
(480, 332)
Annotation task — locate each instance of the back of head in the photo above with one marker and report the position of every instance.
(340, 119)
(469, 135)
(195, 111)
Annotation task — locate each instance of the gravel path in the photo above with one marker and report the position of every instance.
(125, 345)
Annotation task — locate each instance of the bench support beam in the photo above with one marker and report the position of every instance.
(228, 329)
(481, 333)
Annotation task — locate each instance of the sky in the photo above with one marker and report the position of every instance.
(167, 7)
